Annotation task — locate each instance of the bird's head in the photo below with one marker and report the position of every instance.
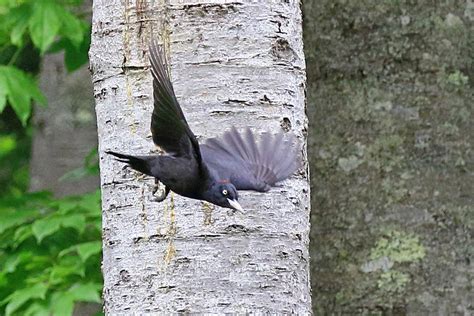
(224, 194)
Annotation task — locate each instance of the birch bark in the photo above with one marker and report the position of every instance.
(233, 63)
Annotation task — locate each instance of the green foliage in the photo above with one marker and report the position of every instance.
(7, 144)
(49, 253)
(49, 248)
(41, 21)
(18, 298)
(14, 149)
(20, 89)
(48, 25)
(44, 23)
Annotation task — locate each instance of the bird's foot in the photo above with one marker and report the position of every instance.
(163, 192)
(159, 198)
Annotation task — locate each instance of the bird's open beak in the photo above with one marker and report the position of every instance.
(235, 205)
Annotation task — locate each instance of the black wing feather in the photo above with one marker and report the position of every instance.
(169, 127)
(248, 164)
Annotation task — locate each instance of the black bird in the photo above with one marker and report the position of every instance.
(215, 170)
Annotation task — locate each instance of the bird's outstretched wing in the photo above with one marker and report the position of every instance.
(248, 164)
(169, 128)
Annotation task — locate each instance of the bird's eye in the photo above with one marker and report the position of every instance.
(224, 192)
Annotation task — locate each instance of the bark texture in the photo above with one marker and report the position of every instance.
(391, 147)
(233, 63)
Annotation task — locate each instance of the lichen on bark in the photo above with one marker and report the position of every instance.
(390, 105)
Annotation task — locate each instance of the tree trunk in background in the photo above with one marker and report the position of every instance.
(391, 143)
(65, 130)
(232, 63)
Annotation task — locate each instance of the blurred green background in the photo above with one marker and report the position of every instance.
(49, 234)
(390, 104)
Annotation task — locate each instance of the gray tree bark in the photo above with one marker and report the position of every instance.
(232, 63)
(65, 130)
(391, 121)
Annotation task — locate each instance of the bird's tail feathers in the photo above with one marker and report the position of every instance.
(139, 163)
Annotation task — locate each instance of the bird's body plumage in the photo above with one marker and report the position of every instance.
(215, 170)
(179, 174)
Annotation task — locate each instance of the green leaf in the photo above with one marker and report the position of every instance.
(98, 224)
(3, 280)
(60, 272)
(13, 261)
(36, 309)
(3, 92)
(19, 297)
(45, 23)
(62, 304)
(20, 89)
(22, 234)
(91, 202)
(66, 206)
(72, 28)
(19, 100)
(75, 262)
(35, 92)
(38, 262)
(76, 221)
(19, 17)
(85, 250)
(66, 251)
(89, 292)
(76, 57)
(12, 217)
(45, 227)
(92, 158)
(4, 36)
(8, 3)
(88, 249)
(7, 144)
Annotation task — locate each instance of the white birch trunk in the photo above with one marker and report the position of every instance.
(233, 63)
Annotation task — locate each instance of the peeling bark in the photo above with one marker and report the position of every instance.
(232, 63)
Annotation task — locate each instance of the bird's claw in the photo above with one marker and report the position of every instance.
(163, 193)
(160, 198)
